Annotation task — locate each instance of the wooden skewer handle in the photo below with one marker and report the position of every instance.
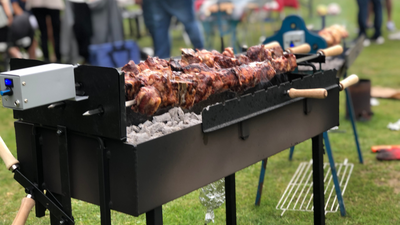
(350, 80)
(6, 155)
(332, 51)
(23, 212)
(304, 48)
(271, 45)
(319, 93)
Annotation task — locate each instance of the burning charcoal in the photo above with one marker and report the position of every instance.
(130, 140)
(129, 130)
(131, 135)
(141, 137)
(181, 114)
(192, 123)
(186, 117)
(147, 123)
(144, 129)
(194, 116)
(155, 127)
(167, 130)
(182, 125)
(134, 128)
(174, 113)
(161, 125)
(162, 118)
(156, 135)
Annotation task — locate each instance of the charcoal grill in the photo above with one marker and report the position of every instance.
(87, 158)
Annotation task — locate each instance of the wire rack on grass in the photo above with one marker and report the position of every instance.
(298, 195)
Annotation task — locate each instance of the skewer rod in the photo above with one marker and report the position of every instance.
(93, 112)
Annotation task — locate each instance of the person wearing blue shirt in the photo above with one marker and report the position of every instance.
(157, 17)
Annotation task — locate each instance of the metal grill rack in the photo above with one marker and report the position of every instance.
(298, 195)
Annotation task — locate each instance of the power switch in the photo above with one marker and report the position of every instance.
(8, 91)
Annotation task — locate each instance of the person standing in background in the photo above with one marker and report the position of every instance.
(41, 9)
(82, 27)
(362, 20)
(106, 21)
(389, 24)
(5, 28)
(157, 17)
(19, 10)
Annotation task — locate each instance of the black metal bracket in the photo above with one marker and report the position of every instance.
(244, 130)
(39, 196)
(64, 170)
(308, 64)
(38, 168)
(104, 183)
(307, 105)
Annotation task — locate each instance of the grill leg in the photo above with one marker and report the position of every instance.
(353, 123)
(318, 180)
(230, 196)
(261, 181)
(64, 169)
(334, 174)
(291, 153)
(154, 217)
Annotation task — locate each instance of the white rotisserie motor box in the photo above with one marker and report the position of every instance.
(293, 38)
(36, 86)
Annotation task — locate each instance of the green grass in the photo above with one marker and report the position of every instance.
(372, 196)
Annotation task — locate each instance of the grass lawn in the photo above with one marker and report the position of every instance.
(372, 195)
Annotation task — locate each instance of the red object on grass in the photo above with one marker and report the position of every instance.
(393, 154)
(378, 148)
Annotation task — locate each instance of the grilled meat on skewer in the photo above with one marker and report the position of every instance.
(147, 101)
(198, 75)
(202, 70)
(134, 80)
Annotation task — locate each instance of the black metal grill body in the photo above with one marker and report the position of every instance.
(155, 172)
